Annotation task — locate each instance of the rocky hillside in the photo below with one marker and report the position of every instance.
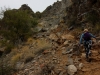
(61, 55)
(73, 13)
(59, 27)
(54, 50)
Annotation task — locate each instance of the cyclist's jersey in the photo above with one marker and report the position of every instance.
(86, 37)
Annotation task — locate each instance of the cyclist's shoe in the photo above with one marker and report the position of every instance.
(90, 54)
(88, 60)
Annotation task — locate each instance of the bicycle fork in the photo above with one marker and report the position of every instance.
(87, 50)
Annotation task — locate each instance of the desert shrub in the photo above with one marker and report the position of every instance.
(42, 45)
(39, 46)
(6, 45)
(17, 25)
(25, 54)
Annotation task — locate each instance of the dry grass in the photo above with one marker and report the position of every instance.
(25, 54)
(15, 58)
(42, 44)
(30, 40)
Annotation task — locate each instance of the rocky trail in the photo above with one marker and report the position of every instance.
(50, 63)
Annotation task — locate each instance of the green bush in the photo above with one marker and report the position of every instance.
(17, 25)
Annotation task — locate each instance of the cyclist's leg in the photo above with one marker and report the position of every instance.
(87, 52)
(86, 49)
(89, 46)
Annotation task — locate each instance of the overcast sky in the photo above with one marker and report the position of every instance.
(35, 5)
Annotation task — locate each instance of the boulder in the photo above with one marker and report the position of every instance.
(72, 69)
(80, 66)
(53, 37)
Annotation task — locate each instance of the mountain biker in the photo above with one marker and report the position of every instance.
(85, 39)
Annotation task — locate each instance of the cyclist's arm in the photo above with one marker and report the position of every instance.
(81, 38)
(92, 35)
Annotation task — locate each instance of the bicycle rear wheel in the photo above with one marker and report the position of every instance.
(88, 53)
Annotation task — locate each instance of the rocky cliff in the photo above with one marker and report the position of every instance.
(73, 13)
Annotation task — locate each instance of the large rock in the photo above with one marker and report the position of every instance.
(80, 66)
(68, 37)
(72, 69)
(66, 3)
(53, 37)
(94, 52)
(25, 7)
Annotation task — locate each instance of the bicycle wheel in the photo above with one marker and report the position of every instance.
(88, 54)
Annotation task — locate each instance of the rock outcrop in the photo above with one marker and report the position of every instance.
(25, 7)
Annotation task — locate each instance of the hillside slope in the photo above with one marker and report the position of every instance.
(62, 53)
(54, 50)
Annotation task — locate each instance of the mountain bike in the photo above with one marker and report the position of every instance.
(87, 45)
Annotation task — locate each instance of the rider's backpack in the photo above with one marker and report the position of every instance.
(87, 36)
